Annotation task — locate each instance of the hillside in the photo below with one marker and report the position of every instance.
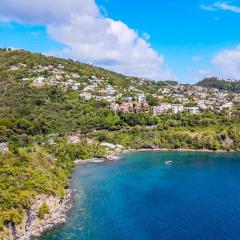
(54, 111)
(232, 86)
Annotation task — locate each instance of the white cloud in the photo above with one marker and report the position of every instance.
(227, 7)
(207, 8)
(89, 36)
(221, 6)
(227, 63)
(46, 11)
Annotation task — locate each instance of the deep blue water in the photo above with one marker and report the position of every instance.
(142, 198)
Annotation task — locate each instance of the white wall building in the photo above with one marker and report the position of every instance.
(176, 108)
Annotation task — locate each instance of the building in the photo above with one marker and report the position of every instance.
(74, 139)
(192, 110)
(114, 106)
(141, 98)
(138, 107)
(156, 110)
(3, 148)
(86, 96)
(128, 99)
(176, 108)
(39, 80)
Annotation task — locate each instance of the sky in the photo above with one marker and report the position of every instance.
(183, 40)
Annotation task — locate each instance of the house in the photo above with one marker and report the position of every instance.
(25, 79)
(156, 110)
(3, 148)
(185, 101)
(126, 107)
(60, 66)
(176, 108)
(227, 105)
(141, 98)
(128, 99)
(75, 75)
(114, 106)
(138, 107)
(76, 86)
(74, 139)
(111, 145)
(164, 107)
(192, 110)
(145, 107)
(108, 145)
(86, 96)
(89, 142)
(14, 68)
(39, 80)
(202, 106)
(110, 90)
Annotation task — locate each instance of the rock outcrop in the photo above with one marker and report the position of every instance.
(32, 226)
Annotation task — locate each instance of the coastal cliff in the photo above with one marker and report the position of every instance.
(32, 225)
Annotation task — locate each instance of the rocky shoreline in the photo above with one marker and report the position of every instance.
(32, 226)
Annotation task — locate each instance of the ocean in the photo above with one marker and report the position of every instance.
(140, 197)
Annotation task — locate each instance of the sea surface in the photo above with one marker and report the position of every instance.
(142, 198)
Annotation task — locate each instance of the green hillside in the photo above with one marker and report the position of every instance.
(232, 86)
(36, 120)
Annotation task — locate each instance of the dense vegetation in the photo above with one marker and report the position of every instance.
(30, 118)
(214, 82)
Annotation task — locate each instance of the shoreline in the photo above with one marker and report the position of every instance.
(117, 155)
(33, 227)
(177, 150)
(60, 213)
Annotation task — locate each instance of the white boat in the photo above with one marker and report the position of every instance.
(169, 162)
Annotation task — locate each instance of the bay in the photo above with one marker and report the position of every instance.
(142, 198)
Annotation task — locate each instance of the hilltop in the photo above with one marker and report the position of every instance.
(224, 85)
(55, 111)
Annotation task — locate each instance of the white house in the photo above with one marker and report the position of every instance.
(141, 98)
(176, 108)
(3, 147)
(192, 110)
(86, 96)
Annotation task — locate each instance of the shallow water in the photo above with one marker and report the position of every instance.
(142, 198)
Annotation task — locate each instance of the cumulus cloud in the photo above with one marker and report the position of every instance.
(221, 6)
(46, 11)
(227, 63)
(89, 36)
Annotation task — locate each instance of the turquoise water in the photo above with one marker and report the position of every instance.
(142, 198)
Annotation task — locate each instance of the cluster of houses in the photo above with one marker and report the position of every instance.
(173, 98)
(141, 105)
(40, 76)
(204, 98)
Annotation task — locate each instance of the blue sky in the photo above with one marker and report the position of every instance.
(182, 40)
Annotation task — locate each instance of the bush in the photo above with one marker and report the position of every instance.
(43, 210)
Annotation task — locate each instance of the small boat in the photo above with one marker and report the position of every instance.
(169, 162)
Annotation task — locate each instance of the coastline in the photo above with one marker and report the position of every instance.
(176, 150)
(32, 226)
(117, 155)
(58, 214)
